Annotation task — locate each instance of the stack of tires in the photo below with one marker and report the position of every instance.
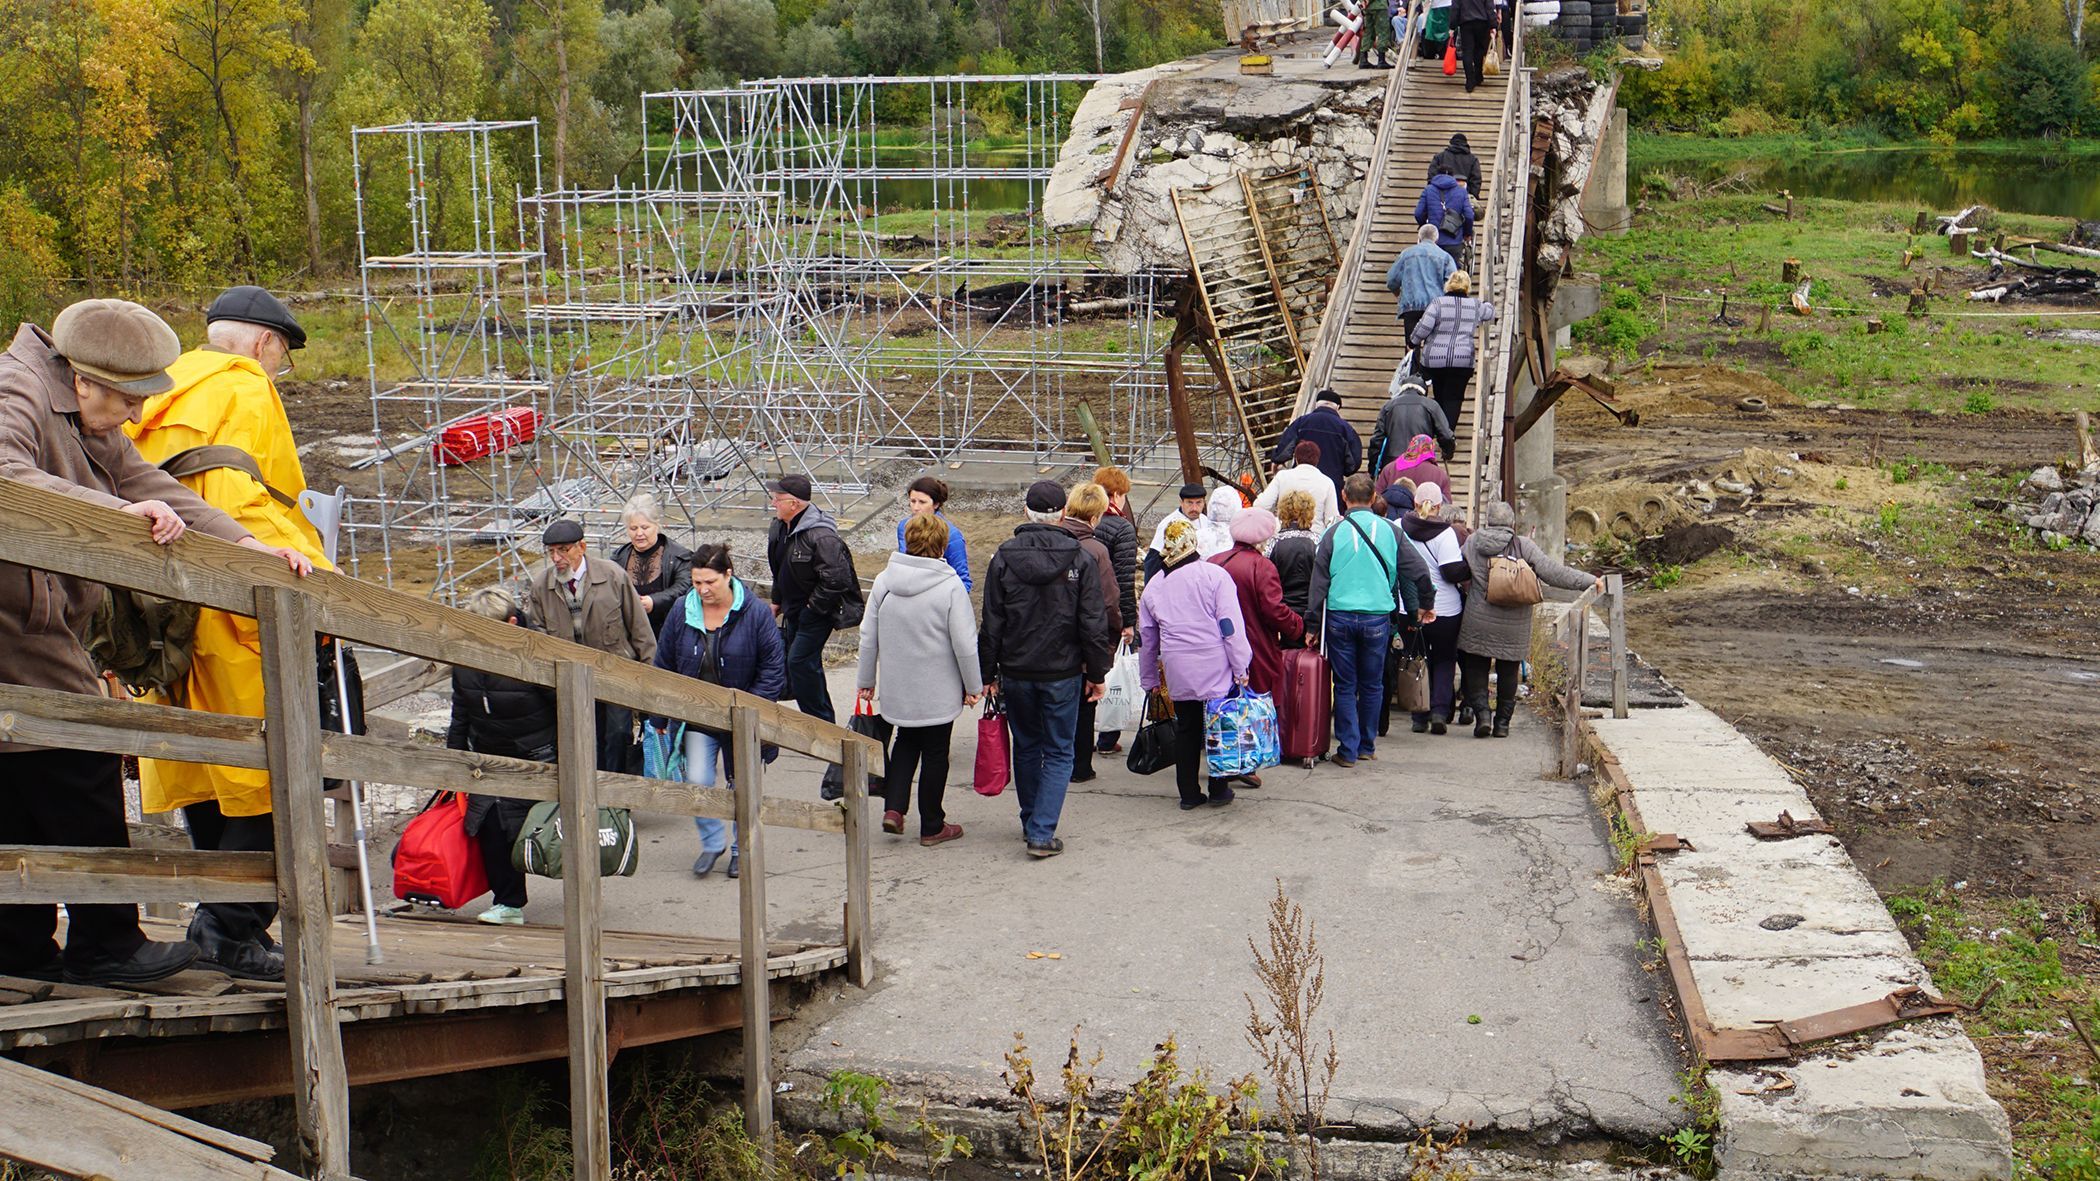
(1587, 24)
(1540, 14)
(1633, 29)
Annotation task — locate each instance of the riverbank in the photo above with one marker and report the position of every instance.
(1647, 147)
(1853, 598)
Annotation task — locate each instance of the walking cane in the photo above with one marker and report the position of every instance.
(326, 514)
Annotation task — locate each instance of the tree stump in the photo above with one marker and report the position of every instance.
(1874, 325)
(1924, 224)
(1909, 256)
(1790, 271)
(1917, 302)
(1958, 242)
(1764, 318)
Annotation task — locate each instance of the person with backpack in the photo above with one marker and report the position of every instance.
(225, 398)
(64, 397)
(497, 715)
(1364, 582)
(720, 633)
(1496, 633)
(1043, 646)
(1444, 204)
(1445, 338)
(591, 601)
(815, 592)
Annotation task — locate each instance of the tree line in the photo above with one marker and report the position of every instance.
(1945, 70)
(198, 142)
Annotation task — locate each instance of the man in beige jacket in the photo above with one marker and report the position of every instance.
(64, 399)
(592, 602)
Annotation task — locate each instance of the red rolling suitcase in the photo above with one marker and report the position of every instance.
(1305, 706)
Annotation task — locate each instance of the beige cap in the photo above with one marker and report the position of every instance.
(119, 343)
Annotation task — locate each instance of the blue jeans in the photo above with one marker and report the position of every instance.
(806, 637)
(702, 751)
(1356, 647)
(1044, 716)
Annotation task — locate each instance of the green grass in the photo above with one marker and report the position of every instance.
(1696, 251)
(1649, 147)
(2008, 959)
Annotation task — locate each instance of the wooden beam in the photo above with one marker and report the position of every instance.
(399, 678)
(38, 874)
(321, 1084)
(860, 965)
(744, 745)
(78, 721)
(55, 1123)
(1615, 586)
(45, 530)
(583, 987)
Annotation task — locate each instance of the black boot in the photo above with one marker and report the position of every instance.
(248, 959)
(1438, 723)
(1481, 728)
(1420, 725)
(1501, 728)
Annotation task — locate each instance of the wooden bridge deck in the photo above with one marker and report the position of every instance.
(1428, 109)
(453, 994)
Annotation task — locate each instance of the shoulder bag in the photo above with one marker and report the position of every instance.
(1512, 582)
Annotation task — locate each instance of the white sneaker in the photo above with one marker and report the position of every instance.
(508, 916)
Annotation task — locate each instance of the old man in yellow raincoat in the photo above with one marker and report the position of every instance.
(225, 395)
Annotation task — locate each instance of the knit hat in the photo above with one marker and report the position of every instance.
(1253, 526)
(118, 343)
(1046, 496)
(1428, 494)
(1179, 544)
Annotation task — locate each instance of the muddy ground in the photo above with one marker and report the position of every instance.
(1942, 707)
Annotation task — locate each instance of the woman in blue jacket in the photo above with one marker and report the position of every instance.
(926, 495)
(721, 632)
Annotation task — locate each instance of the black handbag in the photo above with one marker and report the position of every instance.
(1153, 747)
(866, 722)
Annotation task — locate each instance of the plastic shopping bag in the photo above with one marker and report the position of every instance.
(1240, 735)
(1122, 705)
(663, 752)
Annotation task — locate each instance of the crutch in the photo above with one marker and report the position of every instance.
(326, 514)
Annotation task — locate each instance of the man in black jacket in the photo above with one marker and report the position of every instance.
(1044, 645)
(1341, 448)
(1458, 158)
(1476, 20)
(814, 589)
(495, 715)
(1406, 414)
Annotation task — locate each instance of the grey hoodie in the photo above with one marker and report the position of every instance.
(919, 642)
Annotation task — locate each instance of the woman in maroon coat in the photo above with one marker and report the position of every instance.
(1270, 622)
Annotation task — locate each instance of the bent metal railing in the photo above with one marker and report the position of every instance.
(48, 531)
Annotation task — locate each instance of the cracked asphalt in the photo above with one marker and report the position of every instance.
(1450, 878)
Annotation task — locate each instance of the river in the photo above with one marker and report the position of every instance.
(2034, 180)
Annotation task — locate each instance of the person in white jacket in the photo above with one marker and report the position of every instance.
(1304, 475)
(1214, 527)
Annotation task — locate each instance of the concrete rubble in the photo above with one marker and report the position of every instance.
(1198, 122)
(2060, 509)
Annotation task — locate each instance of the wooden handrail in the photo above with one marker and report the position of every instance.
(1575, 630)
(1499, 283)
(50, 531)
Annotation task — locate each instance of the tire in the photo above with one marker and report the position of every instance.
(1634, 42)
(1633, 23)
(1542, 8)
(1538, 22)
(1575, 8)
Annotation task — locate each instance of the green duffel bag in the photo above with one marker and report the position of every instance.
(539, 847)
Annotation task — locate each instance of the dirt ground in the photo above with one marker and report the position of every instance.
(1940, 706)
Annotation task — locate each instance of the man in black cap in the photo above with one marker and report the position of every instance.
(1044, 646)
(224, 397)
(1193, 500)
(815, 592)
(592, 602)
(1341, 448)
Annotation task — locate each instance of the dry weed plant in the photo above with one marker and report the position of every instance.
(1293, 977)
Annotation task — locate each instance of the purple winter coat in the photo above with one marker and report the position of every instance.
(1189, 621)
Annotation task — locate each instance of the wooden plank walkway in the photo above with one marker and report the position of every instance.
(433, 965)
(1430, 109)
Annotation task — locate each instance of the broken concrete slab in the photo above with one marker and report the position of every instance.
(1784, 930)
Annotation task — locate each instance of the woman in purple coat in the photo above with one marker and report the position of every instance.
(1193, 642)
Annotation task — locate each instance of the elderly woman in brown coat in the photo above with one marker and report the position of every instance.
(1501, 636)
(64, 399)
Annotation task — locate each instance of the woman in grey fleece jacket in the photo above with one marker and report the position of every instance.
(1501, 636)
(919, 639)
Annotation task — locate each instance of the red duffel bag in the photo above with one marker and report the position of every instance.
(436, 861)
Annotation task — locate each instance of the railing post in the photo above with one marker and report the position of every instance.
(583, 986)
(755, 986)
(292, 739)
(1615, 586)
(860, 964)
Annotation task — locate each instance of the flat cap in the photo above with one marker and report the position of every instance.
(1328, 396)
(1046, 496)
(1193, 492)
(253, 305)
(795, 486)
(118, 343)
(562, 532)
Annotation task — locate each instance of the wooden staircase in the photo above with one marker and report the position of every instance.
(1360, 341)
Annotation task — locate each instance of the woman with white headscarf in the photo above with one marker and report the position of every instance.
(1214, 527)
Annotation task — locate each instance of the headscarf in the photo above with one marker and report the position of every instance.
(1213, 529)
(1419, 448)
(1180, 543)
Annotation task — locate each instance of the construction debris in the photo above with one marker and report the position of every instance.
(2061, 510)
(2033, 280)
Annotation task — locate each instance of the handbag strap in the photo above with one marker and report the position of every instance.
(1393, 579)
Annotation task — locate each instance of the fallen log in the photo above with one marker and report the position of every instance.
(2066, 248)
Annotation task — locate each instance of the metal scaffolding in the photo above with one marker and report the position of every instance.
(847, 278)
